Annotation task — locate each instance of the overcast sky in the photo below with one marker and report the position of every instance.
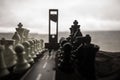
(91, 14)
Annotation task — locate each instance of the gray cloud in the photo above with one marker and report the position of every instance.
(109, 10)
(34, 13)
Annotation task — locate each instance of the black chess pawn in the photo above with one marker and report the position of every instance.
(3, 70)
(90, 51)
(66, 64)
(22, 64)
(77, 52)
(60, 54)
(62, 41)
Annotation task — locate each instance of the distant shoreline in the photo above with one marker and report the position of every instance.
(107, 40)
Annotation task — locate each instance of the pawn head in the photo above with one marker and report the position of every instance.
(87, 39)
(19, 48)
(26, 44)
(67, 47)
(1, 48)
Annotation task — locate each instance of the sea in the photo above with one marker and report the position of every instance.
(106, 40)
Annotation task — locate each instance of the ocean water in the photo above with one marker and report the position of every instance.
(107, 40)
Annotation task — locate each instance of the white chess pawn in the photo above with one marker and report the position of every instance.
(22, 63)
(28, 56)
(35, 46)
(26, 32)
(38, 49)
(3, 69)
(3, 41)
(41, 45)
(38, 46)
(32, 49)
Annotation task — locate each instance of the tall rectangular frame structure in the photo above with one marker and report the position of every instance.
(53, 38)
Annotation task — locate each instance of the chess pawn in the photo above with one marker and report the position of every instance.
(9, 51)
(17, 38)
(41, 44)
(26, 32)
(3, 41)
(32, 49)
(38, 48)
(28, 56)
(22, 64)
(3, 69)
(35, 46)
